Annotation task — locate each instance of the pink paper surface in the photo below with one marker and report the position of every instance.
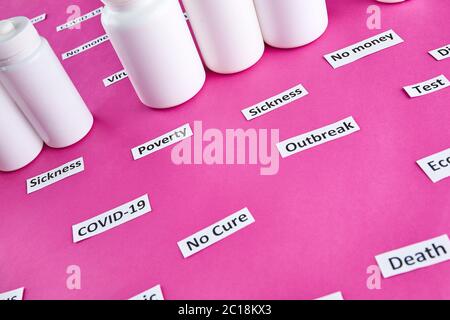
(319, 222)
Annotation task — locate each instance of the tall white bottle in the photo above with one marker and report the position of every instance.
(227, 32)
(291, 23)
(154, 44)
(19, 143)
(36, 80)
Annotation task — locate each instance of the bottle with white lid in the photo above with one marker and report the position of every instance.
(36, 80)
(156, 48)
(291, 23)
(19, 143)
(227, 32)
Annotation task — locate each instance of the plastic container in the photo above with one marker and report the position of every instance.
(19, 143)
(36, 80)
(227, 32)
(154, 44)
(291, 23)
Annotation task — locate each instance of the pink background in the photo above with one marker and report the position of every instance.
(319, 222)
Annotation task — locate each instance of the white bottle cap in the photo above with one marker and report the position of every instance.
(18, 36)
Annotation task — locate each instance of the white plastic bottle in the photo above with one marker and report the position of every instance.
(19, 143)
(291, 23)
(154, 44)
(36, 80)
(227, 32)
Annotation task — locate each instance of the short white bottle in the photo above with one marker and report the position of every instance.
(36, 80)
(156, 48)
(291, 23)
(19, 143)
(227, 32)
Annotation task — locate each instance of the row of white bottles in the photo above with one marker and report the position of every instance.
(153, 42)
(40, 100)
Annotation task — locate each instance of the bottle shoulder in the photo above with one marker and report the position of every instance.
(27, 58)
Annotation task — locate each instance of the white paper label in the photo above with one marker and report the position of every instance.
(83, 18)
(50, 177)
(363, 48)
(37, 19)
(111, 219)
(88, 45)
(154, 293)
(317, 137)
(333, 296)
(12, 295)
(436, 166)
(215, 232)
(427, 87)
(162, 142)
(441, 53)
(116, 77)
(275, 102)
(416, 256)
